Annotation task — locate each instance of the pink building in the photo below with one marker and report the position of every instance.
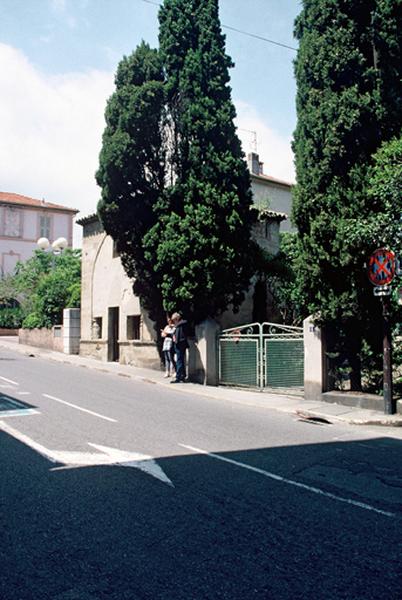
(23, 221)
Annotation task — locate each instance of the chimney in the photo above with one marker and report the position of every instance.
(254, 164)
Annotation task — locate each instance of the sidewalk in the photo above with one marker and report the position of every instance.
(319, 412)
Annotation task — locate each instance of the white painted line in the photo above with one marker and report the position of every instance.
(90, 412)
(23, 393)
(309, 488)
(21, 437)
(9, 380)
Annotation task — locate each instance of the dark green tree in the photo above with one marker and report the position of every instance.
(203, 231)
(348, 70)
(184, 232)
(131, 170)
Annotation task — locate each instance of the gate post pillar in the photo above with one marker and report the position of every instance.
(203, 359)
(314, 371)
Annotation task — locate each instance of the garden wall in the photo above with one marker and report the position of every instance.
(52, 339)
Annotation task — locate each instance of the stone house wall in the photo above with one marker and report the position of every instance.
(106, 288)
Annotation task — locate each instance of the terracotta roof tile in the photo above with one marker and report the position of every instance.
(11, 198)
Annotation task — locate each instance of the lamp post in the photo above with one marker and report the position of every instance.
(56, 247)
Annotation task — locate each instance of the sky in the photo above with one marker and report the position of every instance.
(57, 64)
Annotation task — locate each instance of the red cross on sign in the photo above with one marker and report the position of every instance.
(381, 269)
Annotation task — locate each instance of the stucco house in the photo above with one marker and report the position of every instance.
(114, 327)
(23, 220)
(270, 192)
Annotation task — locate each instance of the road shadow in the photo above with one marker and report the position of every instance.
(222, 532)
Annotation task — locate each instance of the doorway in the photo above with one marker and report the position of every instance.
(113, 354)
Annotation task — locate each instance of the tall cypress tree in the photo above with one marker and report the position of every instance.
(131, 169)
(175, 187)
(348, 72)
(201, 241)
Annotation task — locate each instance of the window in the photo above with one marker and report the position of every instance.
(134, 327)
(44, 226)
(12, 222)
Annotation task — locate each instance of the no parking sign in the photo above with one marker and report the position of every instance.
(381, 269)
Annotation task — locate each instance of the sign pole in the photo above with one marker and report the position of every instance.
(389, 401)
(381, 272)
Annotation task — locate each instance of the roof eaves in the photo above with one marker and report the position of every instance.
(88, 219)
(265, 214)
(269, 179)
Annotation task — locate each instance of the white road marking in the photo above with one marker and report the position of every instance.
(90, 412)
(20, 408)
(23, 393)
(9, 380)
(309, 488)
(6, 386)
(105, 456)
(19, 413)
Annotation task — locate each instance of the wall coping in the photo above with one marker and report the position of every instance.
(137, 343)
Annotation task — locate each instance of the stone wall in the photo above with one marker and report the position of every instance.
(52, 339)
(140, 354)
(94, 349)
(4, 331)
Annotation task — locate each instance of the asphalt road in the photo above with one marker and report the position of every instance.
(118, 489)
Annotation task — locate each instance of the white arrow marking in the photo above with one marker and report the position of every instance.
(105, 456)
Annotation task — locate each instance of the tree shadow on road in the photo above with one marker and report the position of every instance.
(222, 532)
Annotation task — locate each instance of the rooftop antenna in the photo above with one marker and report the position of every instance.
(253, 142)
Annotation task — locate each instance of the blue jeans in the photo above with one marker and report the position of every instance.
(180, 362)
(170, 364)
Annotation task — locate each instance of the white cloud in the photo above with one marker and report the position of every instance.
(51, 129)
(51, 133)
(275, 151)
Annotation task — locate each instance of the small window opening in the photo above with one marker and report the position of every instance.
(134, 327)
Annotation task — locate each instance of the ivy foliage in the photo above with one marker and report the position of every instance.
(280, 272)
(184, 226)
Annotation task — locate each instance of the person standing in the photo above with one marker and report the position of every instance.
(181, 344)
(168, 349)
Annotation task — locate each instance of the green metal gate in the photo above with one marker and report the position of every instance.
(262, 355)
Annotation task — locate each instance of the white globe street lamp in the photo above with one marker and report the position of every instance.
(59, 245)
(43, 243)
(56, 247)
